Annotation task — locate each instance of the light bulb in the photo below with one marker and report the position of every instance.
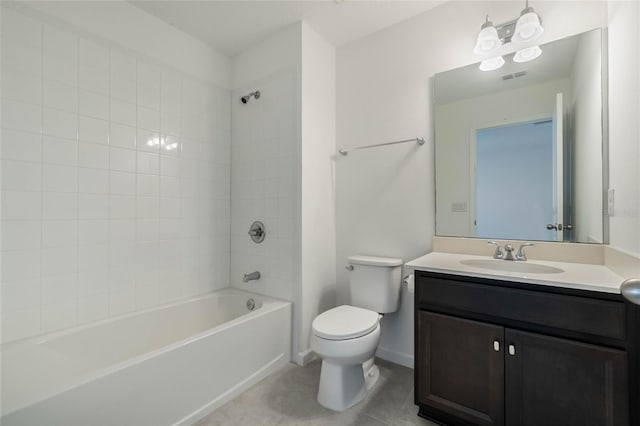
(528, 27)
(488, 40)
(527, 54)
(491, 64)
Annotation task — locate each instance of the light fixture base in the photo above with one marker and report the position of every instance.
(526, 10)
(506, 30)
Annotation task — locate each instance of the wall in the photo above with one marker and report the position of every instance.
(385, 200)
(456, 120)
(115, 166)
(318, 181)
(282, 173)
(125, 25)
(586, 116)
(624, 131)
(265, 180)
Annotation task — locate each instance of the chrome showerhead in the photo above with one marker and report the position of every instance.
(246, 98)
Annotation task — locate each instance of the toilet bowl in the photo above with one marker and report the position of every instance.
(346, 339)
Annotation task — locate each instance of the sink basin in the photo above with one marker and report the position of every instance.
(511, 266)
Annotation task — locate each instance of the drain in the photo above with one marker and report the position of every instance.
(251, 304)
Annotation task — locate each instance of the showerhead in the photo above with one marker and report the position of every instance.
(246, 98)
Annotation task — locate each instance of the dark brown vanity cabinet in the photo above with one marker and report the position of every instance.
(500, 353)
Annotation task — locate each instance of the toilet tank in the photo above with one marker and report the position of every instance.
(374, 282)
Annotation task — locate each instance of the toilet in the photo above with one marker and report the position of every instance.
(346, 337)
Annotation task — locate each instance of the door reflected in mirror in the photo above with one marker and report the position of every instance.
(519, 149)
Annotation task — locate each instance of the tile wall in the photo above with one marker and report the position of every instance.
(115, 180)
(265, 185)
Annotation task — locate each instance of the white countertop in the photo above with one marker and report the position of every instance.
(575, 275)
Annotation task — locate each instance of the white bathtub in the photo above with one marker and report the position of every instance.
(169, 365)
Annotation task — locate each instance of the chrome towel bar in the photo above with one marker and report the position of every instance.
(419, 141)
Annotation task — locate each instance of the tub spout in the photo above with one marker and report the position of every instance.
(250, 277)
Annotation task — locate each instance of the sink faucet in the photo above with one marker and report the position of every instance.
(520, 255)
(507, 252)
(250, 277)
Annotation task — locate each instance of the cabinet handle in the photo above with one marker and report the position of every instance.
(496, 345)
(512, 350)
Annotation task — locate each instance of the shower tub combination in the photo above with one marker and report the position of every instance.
(169, 365)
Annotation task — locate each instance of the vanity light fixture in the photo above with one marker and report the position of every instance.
(527, 54)
(528, 27)
(492, 64)
(522, 30)
(488, 40)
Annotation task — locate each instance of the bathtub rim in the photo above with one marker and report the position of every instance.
(269, 304)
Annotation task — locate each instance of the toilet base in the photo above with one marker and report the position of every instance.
(343, 386)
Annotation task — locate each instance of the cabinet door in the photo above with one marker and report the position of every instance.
(461, 368)
(551, 381)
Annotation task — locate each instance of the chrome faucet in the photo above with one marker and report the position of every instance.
(498, 254)
(520, 255)
(507, 252)
(250, 277)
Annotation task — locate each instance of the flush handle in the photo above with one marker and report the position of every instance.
(349, 267)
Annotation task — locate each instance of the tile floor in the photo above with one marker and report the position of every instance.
(288, 397)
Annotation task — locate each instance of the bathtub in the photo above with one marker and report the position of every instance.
(169, 365)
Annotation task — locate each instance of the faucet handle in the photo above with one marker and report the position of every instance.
(498, 253)
(520, 255)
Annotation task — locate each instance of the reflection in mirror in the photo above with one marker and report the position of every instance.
(519, 150)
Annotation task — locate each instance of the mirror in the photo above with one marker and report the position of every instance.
(519, 150)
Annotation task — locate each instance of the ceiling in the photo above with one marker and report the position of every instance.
(233, 26)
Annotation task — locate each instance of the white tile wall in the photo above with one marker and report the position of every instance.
(265, 184)
(115, 180)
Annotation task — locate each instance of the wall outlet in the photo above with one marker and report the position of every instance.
(610, 201)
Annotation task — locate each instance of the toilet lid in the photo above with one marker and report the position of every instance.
(345, 322)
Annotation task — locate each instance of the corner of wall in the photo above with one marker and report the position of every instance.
(317, 202)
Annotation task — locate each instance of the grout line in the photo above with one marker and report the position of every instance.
(77, 220)
(41, 301)
(134, 269)
(108, 240)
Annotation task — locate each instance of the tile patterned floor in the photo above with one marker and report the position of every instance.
(288, 397)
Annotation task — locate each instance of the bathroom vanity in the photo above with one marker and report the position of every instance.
(513, 348)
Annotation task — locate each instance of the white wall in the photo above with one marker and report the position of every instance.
(318, 180)
(624, 130)
(283, 173)
(125, 25)
(385, 200)
(115, 167)
(266, 167)
(586, 116)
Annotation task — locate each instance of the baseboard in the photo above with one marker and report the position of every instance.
(305, 357)
(395, 357)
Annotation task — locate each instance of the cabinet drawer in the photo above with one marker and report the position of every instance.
(596, 317)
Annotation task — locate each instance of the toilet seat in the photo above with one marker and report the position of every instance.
(345, 322)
